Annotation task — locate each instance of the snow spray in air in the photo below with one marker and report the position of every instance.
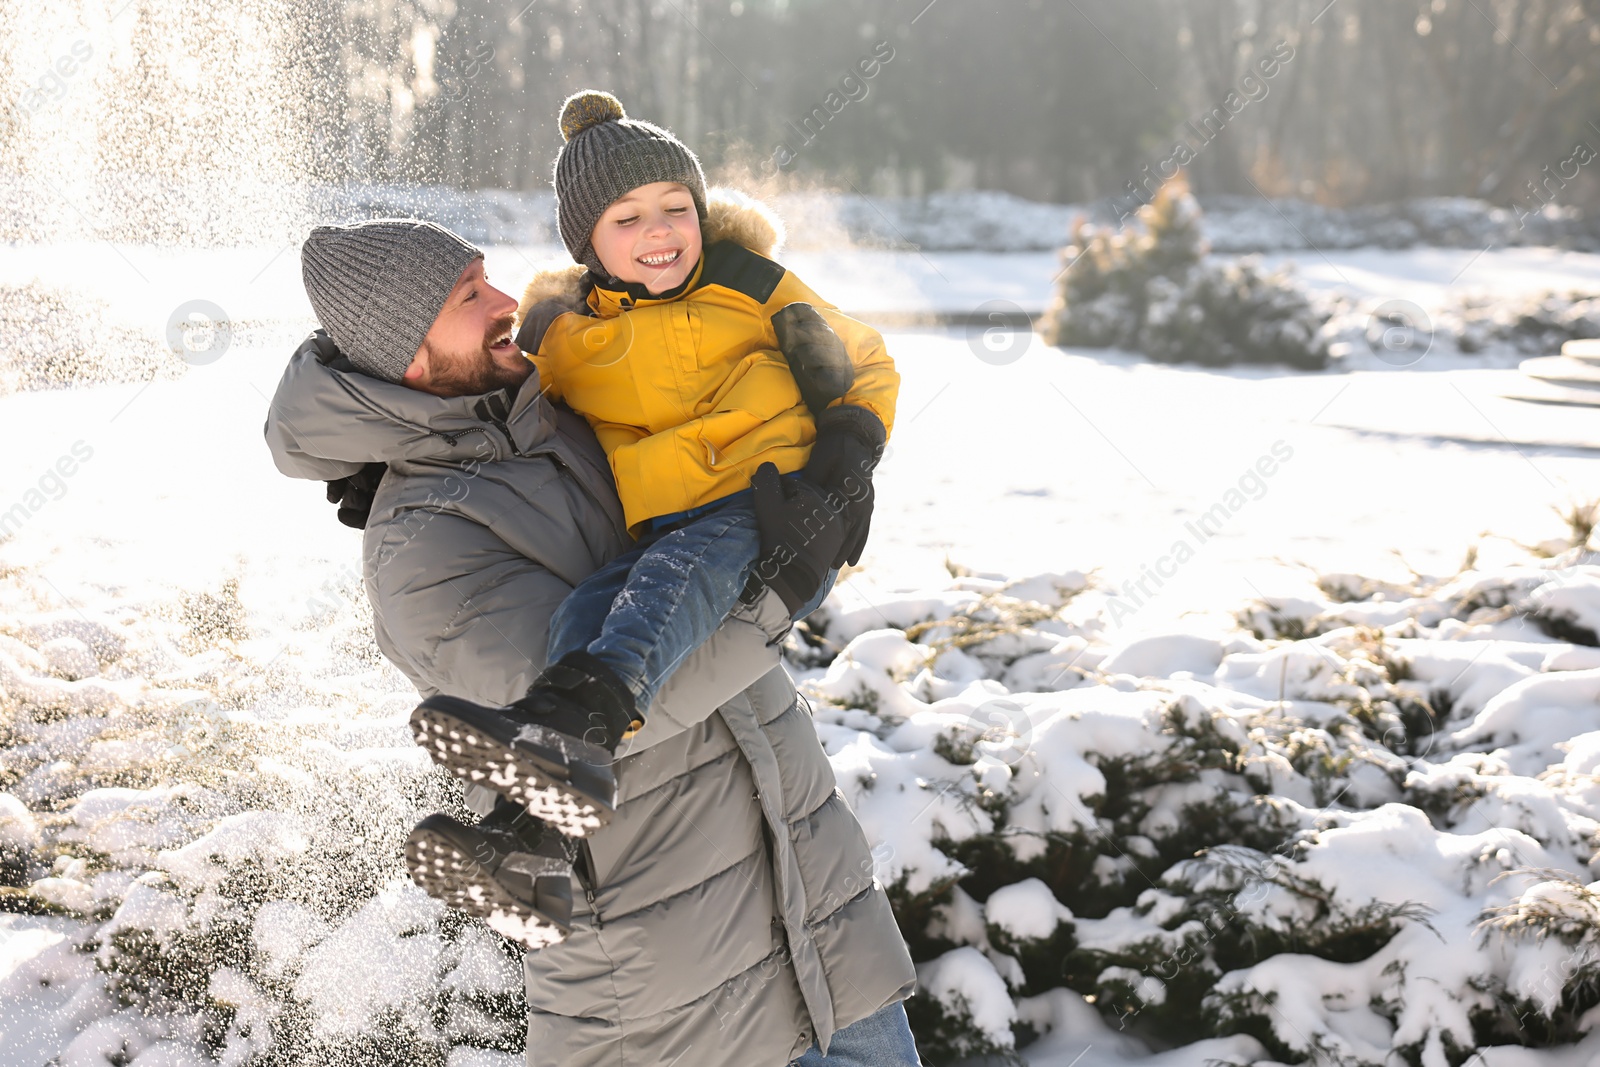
(156, 121)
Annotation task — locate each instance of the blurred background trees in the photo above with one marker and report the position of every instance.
(1368, 100)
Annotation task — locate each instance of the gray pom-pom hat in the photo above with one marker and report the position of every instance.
(606, 155)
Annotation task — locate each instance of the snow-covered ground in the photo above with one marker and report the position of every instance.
(182, 630)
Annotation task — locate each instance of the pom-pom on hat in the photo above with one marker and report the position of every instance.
(605, 156)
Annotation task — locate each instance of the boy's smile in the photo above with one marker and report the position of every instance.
(650, 236)
(657, 260)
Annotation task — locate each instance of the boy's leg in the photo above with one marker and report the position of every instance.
(880, 1040)
(484, 745)
(578, 618)
(679, 590)
(551, 751)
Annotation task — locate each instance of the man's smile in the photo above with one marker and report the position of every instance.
(500, 342)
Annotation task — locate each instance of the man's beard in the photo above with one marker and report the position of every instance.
(474, 372)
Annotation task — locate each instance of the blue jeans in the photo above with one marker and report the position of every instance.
(644, 611)
(880, 1040)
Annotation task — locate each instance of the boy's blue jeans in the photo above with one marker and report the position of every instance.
(880, 1040)
(644, 611)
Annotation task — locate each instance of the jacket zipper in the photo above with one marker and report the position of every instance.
(505, 429)
(582, 861)
(494, 409)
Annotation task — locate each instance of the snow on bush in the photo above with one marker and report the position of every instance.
(1362, 827)
(228, 841)
(1149, 288)
(1495, 324)
(1536, 325)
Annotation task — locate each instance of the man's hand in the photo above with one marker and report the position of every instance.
(817, 358)
(849, 444)
(800, 536)
(354, 494)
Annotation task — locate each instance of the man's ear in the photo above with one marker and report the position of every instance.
(418, 368)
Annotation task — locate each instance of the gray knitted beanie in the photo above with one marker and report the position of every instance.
(377, 286)
(606, 155)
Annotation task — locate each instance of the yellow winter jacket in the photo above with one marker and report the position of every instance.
(689, 394)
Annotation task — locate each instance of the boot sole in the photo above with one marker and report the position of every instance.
(559, 779)
(442, 867)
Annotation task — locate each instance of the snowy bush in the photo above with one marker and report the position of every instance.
(229, 848)
(1149, 288)
(1359, 831)
(1501, 327)
(1536, 325)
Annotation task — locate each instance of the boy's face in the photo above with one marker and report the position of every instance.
(650, 236)
(468, 350)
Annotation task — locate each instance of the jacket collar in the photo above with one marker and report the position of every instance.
(335, 412)
(614, 296)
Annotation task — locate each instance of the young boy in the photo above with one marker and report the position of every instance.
(704, 370)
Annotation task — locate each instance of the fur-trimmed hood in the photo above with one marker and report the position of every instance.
(730, 216)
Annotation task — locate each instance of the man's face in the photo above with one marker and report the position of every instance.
(468, 350)
(650, 236)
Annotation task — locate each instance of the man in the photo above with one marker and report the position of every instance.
(729, 916)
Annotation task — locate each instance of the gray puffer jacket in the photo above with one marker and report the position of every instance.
(728, 915)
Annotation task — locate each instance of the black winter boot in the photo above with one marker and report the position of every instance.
(515, 877)
(550, 751)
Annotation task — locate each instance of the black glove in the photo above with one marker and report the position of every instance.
(849, 444)
(354, 494)
(800, 537)
(817, 358)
